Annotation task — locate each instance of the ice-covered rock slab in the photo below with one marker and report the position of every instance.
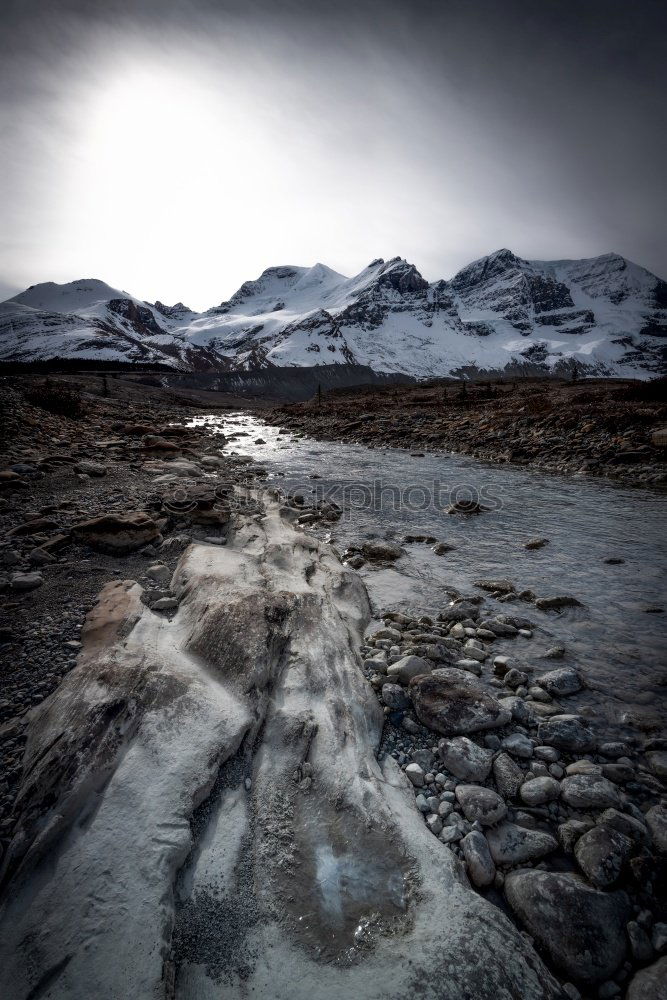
(203, 813)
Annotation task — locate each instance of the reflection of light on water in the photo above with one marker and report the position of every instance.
(620, 648)
(347, 879)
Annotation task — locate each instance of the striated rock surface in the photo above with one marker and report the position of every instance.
(202, 812)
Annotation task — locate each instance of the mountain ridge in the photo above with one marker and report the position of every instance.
(605, 315)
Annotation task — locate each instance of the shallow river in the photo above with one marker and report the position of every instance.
(617, 643)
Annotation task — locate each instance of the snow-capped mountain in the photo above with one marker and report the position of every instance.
(606, 314)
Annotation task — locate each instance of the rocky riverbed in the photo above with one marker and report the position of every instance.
(560, 830)
(567, 831)
(610, 428)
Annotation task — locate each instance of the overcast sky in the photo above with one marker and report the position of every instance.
(177, 149)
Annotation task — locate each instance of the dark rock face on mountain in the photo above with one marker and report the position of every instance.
(602, 316)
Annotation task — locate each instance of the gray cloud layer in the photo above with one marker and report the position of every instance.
(454, 128)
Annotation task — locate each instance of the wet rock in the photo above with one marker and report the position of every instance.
(408, 667)
(508, 776)
(511, 845)
(465, 507)
(500, 586)
(536, 543)
(581, 929)
(554, 653)
(481, 868)
(381, 551)
(515, 678)
(601, 853)
(471, 666)
(117, 533)
(465, 759)
(459, 612)
(566, 732)
(650, 983)
(587, 791)
(521, 711)
(480, 804)
(554, 603)
(538, 791)
(500, 629)
(442, 548)
(451, 702)
(656, 820)
(560, 682)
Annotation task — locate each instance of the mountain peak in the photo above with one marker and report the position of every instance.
(70, 296)
(500, 312)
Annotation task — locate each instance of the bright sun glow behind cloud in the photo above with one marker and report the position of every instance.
(188, 178)
(178, 165)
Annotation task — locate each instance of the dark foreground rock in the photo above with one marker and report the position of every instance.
(451, 702)
(581, 929)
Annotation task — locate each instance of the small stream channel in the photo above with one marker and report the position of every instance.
(617, 638)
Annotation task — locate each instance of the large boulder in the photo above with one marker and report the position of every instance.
(117, 533)
(512, 845)
(408, 667)
(560, 682)
(379, 551)
(452, 702)
(480, 805)
(589, 791)
(581, 929)
(601, 853)
(566, 732)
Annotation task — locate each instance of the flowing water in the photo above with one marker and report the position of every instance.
(617, 642)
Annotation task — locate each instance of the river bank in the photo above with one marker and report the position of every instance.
(609, 428)
(495, 791)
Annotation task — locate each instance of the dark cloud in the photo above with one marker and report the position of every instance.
(540, 123)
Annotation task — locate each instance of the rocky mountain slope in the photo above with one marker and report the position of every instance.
(605, 315)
